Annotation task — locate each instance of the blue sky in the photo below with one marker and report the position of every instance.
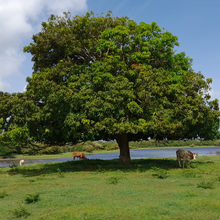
(196, 23)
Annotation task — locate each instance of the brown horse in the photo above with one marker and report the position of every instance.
(80, 155)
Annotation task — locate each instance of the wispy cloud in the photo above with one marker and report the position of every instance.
(19, 20)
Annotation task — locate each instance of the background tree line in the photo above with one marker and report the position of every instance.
(99, 77)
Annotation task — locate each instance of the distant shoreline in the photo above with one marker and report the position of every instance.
(69, 154)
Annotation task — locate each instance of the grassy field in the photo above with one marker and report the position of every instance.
(97, 189)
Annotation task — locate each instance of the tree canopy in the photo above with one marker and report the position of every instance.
(106, 76)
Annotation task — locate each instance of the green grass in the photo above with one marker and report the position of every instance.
(98, 189)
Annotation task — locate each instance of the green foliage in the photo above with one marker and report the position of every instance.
(60, 173)
(32, 198)
(21, 212)
(51, 150)
(124, 68)
(14, 165)
(206, 184)
(112, 180)
(14, 139)
(160, 173)
(88, 148)
(112, 146)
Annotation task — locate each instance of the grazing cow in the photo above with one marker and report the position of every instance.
(80, 155)
(185, 155)
(21, 162)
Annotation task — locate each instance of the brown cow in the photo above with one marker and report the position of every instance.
(80, 155)
(185, 155)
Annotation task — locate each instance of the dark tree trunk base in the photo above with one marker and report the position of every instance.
(122, 140)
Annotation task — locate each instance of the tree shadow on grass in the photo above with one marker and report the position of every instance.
(140, 165)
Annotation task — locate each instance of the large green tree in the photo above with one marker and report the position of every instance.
(99, 76)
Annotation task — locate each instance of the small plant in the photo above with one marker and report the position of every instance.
(3, 194)
(113, 180)
(13, 165)
(21, 212)
(160, 173)
(206, 185)
(60, 172)
(192, 145)
(32, 197)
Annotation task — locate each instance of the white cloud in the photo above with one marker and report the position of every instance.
(4, 86)
(19, 20)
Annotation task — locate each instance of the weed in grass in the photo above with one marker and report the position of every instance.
(206, 185)
(190, 174)
(160, 173)
(21, 212)
(32, 197)
(60, 173)
(140, 169)
(13, 165)
(113, 180)
(3, 194)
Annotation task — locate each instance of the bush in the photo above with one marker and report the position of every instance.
(113, 146)
(32, 197)
(88, 148)
(217, 143)
(51, 150)
(6, 152)
(98, 146)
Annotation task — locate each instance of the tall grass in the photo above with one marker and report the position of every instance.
(98, 189)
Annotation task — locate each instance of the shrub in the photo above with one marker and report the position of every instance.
(21, 212)
(51, 150)
(32, 197)
(217, 143)
(88, 148)
(113, 146)
(98, 146)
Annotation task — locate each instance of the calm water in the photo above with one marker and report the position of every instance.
(135, 154)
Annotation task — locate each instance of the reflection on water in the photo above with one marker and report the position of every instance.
(135, 154)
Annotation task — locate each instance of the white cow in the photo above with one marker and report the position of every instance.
(21, 162)
(185, 155)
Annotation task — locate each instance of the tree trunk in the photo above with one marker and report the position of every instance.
(123, 143)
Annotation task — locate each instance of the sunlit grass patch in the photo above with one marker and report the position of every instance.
(106, 190)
